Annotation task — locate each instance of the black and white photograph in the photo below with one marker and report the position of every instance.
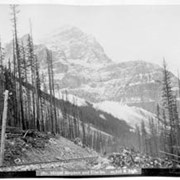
(89, 90)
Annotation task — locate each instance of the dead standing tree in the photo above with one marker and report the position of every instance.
(14, 12)
(51, 91)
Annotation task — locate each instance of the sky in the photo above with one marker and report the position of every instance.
(126, 32)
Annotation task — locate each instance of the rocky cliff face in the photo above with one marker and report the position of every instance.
(70, 43)
(82, 67)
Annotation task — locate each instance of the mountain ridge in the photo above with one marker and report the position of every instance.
(82, 68)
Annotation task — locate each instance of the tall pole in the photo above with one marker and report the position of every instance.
(3, 130)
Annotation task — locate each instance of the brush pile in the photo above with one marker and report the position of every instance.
(130, 159)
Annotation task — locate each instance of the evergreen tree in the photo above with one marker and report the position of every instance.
(158, 130)
(154, 140)
(139, 137)
(144, 138)
(165, 133)
(169, 104)
(83, 129)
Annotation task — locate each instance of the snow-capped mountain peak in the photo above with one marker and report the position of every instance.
(76, 45)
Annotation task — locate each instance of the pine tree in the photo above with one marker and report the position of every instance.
(144, 137)
(168, 103)
(158, 130)
(165, 133)
(154, 140)
(83, 129)
(64, 125)
(176, 126)
(139, 137)
(74, 119)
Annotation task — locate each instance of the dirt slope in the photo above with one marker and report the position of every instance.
(26, 147)
(57, 148)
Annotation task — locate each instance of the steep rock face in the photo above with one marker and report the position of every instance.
(82, 68)
(134, 81)
(71, 43)
(93, 76)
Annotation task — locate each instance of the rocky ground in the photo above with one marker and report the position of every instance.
(32, 150)
(27, 147)
(127, 159)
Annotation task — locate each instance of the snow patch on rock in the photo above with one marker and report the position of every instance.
(132, 115)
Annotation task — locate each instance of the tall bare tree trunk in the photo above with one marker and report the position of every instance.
(50, 91)
(17, 50)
